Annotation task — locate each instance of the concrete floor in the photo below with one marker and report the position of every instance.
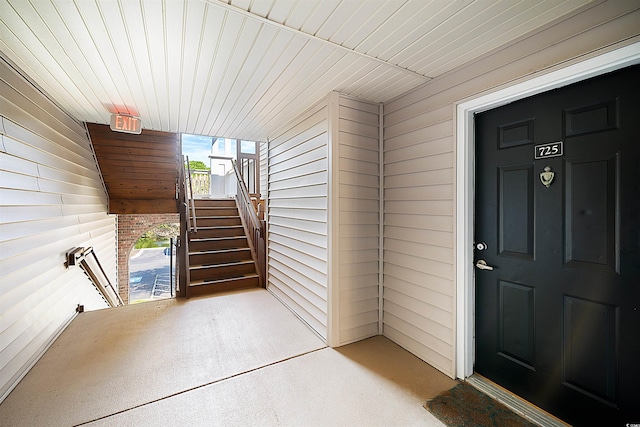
(239, 358)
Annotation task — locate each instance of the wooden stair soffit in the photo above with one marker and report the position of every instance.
(140, 172)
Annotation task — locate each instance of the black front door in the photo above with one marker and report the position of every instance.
(558, 219)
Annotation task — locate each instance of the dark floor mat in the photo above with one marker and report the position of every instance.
(466, 406)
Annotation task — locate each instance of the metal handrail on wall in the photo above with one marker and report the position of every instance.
(87, 259)
(255, 226)
(190, 198)
(182, 247)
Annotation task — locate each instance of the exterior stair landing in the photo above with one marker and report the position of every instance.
(219, 253)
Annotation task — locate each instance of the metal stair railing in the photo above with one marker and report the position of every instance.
(191, 207)
(182, 247)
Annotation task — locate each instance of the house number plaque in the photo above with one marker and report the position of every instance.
(552, 149)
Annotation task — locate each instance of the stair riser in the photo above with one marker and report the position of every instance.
(249, 282)
(232, 247)
(219, 257)
(215, 203)
(219, 244)
(231, 231)
(200, 212)
(224, 272)
(217, 222)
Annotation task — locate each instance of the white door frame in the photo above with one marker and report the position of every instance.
(465, 178)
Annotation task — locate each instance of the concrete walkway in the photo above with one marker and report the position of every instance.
(234, 359)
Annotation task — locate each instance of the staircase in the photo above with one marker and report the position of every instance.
(219, 253)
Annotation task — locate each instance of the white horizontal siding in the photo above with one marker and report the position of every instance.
(324, 255)
(356, 238)
(52, 200)
(419, 268)
(264, 168)
(297, 217)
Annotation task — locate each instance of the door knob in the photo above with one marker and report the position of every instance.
(482, 265)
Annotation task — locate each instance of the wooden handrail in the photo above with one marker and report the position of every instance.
(183, 202)
(255, 227)
(191, 199)
(221, 158)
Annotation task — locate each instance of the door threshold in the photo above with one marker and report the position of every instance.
(515, 403)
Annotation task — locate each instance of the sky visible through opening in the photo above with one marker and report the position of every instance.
(197, 147)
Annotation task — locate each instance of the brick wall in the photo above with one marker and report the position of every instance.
(130, 229)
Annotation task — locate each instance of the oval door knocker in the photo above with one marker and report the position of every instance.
(547, 176)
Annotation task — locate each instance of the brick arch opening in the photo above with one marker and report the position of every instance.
(130, 228)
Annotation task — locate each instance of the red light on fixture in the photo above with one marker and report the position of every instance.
(126, 123)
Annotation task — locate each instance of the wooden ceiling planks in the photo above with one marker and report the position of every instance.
(139, 171)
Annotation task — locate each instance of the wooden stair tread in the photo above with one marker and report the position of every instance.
(216, 239)
(207, 217)
(223, 264)
(230, 201)
(208, 287)
(219, 227)
(219, 251)
(216, 208)
(220, 257)
(230, 279)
